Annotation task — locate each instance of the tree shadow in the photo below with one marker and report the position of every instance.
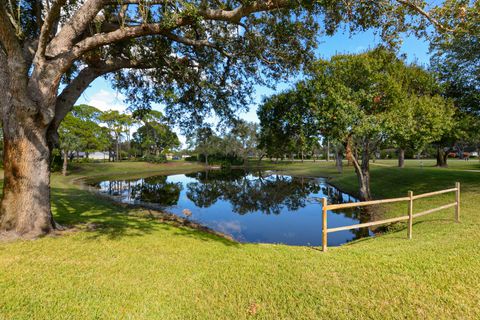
(100, 217)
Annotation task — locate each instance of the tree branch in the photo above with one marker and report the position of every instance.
(37, 7)
(101, 39)
(4, 82)
(424, 13)
(47, 27)
(29, 50)
(86, 76)
(12, 17)
(238, 13)
(232, 16)
(196, 43)
(142, 2)
(7, 34)
(75, 27)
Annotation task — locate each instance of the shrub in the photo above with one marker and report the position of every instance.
(155, 159)
(57, 161)
(191, 158)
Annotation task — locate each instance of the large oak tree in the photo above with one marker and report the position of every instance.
(194, 55)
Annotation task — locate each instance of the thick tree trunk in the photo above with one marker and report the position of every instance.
(441, 157)
(118, 149)
(363, 173)
(260, 159)
(401, 157)
(364, 182)
(328, 150)
(25, 207)
(65, 162)
(348, 151)
(338, 160)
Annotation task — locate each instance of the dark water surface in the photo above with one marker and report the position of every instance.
(250, 206)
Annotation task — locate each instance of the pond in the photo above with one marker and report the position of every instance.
(259, 207)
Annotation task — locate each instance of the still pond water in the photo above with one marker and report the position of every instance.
(249, 206)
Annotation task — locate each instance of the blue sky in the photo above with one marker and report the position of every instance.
(101, 95)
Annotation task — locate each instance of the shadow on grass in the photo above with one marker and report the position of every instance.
(102, 217)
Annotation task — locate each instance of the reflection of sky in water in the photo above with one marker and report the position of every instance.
(262, 207)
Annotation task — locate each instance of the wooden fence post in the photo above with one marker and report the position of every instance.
(457, 199)
(410, 214)
(324, 224)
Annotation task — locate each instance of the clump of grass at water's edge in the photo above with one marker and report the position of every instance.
(140, 268)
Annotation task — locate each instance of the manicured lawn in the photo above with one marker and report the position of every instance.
(121, 266)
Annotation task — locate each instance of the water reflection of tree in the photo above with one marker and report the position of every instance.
(360, 213)
(115, 188)
(249, 193)
(157, 190)
(336, 196)
(246, 192)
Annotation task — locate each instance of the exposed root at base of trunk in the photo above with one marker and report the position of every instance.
(58, 227)
(14, 235)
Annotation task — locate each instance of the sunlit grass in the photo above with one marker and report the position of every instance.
(118, 266)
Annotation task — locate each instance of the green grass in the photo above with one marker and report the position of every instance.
(128, 267)
(456, 164)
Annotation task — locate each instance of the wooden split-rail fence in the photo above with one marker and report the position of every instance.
(410, 198)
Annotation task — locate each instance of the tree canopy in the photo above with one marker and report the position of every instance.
(118, 124)
(155, 136)
(457, 62)
(375, 97)
(80, 131)
(362, 101)
(288, 123)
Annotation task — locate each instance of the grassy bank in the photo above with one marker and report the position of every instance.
(117, 266)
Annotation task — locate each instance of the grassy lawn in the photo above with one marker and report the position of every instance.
(120, 266)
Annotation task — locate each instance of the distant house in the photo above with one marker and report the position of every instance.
(469, 152)
(98, 155)
(472, 152)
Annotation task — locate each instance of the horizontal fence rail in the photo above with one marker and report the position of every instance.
(364, 203)
(410, 216)
(424, 195)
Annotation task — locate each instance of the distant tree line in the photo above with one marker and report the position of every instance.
(231, 147)
(87, 129)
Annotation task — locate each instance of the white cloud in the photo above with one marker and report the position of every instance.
(229, 227)
(107, 100)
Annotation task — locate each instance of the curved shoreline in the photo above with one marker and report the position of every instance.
(162, 213)
(153, 213)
